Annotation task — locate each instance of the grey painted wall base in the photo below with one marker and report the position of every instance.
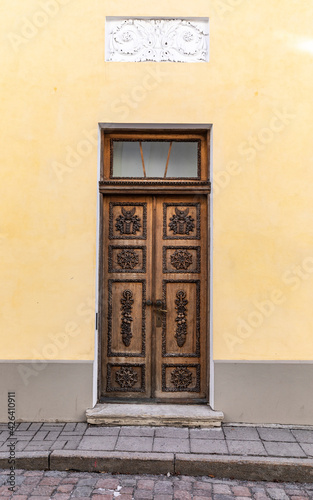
(265, 393)
(47, 392)
(269, 393)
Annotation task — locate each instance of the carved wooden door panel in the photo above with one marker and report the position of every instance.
(181, 283)
(154, 298)
(125, 318)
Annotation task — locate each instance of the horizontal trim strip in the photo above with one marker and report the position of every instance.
(268, 361)
(157, 126)
(55, 361)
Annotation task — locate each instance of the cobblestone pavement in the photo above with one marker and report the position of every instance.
(45, 485)
(227, 440)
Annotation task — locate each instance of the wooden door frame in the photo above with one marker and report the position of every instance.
(107, 187)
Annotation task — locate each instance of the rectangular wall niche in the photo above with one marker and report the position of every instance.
(157, 39)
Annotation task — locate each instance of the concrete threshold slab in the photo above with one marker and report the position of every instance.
(160, 415)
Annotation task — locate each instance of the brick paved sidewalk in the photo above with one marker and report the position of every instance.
(84, 447)
(54, 485)
(244, 441)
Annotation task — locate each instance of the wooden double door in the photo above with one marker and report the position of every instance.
(154, 298)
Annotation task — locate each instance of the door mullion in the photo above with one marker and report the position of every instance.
(154, 271)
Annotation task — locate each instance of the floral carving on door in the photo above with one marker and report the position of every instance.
(126, 377)
(127, 259)
(126, 308)
(181, 377)
(181, 318)
(181, 259)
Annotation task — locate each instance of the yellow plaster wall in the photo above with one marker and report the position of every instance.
(256, 91)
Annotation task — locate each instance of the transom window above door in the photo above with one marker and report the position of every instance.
(156, 159)
(154, 156)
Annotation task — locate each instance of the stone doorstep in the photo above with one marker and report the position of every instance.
(158, 415)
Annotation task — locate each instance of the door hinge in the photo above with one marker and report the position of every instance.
(96, 321)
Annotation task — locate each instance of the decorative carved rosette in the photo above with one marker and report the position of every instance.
(181, 259)
(181, 318)
(126, 377)
(126, 308)
(127, 259)
(181, 378)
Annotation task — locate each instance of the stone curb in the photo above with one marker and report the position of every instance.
(232, 467)
(113, 462)
(246, 468)
(31, 460)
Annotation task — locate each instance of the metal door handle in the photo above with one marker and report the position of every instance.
(162, 310)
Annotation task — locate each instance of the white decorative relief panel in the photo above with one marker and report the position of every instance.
(146, 39)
